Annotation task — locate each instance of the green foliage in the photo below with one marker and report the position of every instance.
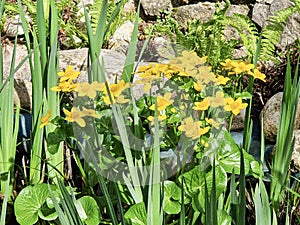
(206, 38)
(30, 206)
(271, 33)
(285, 138)
(136, 215)
(247, 31)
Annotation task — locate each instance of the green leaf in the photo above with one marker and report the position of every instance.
(91, 210)
(47, 213)
(172, 195)
(29, 201)
(244, 95)
(194, 184)
(136, 215)
(223, 217)
(228, 155)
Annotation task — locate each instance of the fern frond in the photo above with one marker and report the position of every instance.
(246, 30)
(271, 34)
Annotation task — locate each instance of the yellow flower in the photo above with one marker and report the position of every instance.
(86, 89)
(160, 118)
(217, 101)
(146, 81)
(65, 86)
(221, 80)
(241, 67)
(144, 68)
(234, 106)
(188, 62)
(116, 89)
(89, 112)
(259, 75)
(199, 86)
(204, 74)
(203, 105)
(45, 119)
(173, 110)
(212, 122)
(192, 128)
(75, 116)
(69, 74)
(227, 65)
(106, 99)
(162, 102)
(121, 99)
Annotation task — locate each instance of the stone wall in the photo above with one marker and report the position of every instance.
(257, 10)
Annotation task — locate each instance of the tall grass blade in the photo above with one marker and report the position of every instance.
(154, 216)
(52, 102)
(129, 62)
(108, 199)
(4, 203)
(61, 216)
(233, 198)
(242, 190)
(36, 70)
(285, 139)
(9, 126)
(261, 203)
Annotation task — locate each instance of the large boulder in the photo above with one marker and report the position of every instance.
(122, 36)
(262, 11)
(151, 9)
(271, 116)
(113, 63)
(202, 11)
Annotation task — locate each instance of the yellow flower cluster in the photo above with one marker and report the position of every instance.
(194, 66)
(192, 128)
(239, 67)
(75, 115)
(66, 83)
(229, 104)
(154, 72)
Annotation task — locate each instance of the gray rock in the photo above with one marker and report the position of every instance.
(291, 30)
(260, 14)
(202, 11)
(164, 49)
(113, 61)
(129, 8)
(152, 9)
(24, 71)
(271, 115)
(240, 9)
(23, 93)
(264, 9)
(296, 151)
(122, 36)
(238, 121)
(13, 26)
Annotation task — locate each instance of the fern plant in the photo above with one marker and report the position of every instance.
(206, 38)
(246, 30)
(271, 33)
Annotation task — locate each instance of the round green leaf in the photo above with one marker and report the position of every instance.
(172, 196)
(136, 215)
(29, 202)
(47, 213)
(91, 210)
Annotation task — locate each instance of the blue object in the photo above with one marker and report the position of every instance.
(25, 128)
